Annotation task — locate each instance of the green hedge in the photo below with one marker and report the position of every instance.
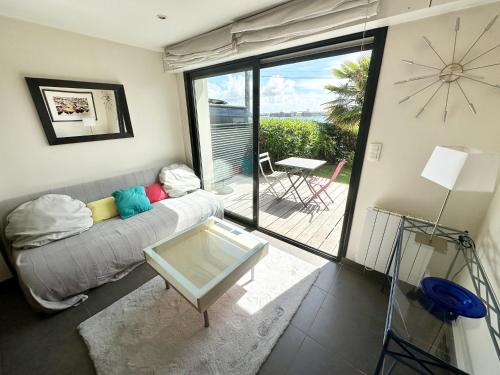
(284, 138)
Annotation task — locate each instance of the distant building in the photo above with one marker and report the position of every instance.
(234, 123)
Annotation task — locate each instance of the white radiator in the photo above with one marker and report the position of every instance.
(377, 243)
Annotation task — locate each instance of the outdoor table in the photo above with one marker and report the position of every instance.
(304, 167)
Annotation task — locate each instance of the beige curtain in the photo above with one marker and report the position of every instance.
(292, 20)
(210, 46)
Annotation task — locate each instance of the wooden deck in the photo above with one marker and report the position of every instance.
(314, 225)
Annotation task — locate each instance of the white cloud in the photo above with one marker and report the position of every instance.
(214, 91)
(232, 89)
(277, 94)
(278, 86)
(282, 94)
(317, 83)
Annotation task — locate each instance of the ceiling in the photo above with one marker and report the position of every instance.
(134, 22)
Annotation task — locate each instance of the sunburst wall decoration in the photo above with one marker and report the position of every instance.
(452, 72)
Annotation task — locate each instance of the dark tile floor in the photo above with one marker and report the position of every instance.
(337, 329)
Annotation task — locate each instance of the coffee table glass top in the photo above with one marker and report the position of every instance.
(199, 258)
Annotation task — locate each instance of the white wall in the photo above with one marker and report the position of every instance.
(394, 183)
(472, 338)
(28, 163)
(488, 243)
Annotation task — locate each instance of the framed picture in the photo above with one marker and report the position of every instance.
(75, 111)
(69, 105)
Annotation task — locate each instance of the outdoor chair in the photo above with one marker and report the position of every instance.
(319, 185)
(272, 178)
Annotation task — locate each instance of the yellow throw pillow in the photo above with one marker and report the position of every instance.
(103, 209)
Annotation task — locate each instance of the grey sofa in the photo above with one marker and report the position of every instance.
(55, 276)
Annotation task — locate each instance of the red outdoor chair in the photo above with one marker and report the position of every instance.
(320, 185)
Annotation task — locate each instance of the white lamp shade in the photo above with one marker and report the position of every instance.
(89, 121)
(461, 169)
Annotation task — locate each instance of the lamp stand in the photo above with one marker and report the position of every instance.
(438, 243)
(439, 216)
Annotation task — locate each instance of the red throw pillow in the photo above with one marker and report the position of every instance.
(155, 192)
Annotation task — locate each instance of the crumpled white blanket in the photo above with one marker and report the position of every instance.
(178, 180)
(48, 218)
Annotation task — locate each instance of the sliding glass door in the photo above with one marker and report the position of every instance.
(224, 111)
(280, 137)
(309, 124)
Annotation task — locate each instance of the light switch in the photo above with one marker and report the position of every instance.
(373, 152)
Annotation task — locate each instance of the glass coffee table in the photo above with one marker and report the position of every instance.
(205, 260)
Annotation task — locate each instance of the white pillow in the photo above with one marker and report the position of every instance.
(178, 180)
(48, 218)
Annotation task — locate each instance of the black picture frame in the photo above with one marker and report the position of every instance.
(124, 123)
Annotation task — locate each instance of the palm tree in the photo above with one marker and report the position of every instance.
(345, 109)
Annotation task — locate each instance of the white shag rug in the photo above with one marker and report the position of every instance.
(155, 331)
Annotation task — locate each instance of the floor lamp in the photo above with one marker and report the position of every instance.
(458, 169)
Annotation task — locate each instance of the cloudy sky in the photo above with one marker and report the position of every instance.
(292, 87)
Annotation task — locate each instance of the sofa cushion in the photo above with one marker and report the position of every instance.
(178, 180)
(155, 192)
(48, 218)
(131, 201)
(103, 209)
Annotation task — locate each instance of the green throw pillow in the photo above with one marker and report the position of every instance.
(131, 201)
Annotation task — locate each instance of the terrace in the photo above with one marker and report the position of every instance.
(313, 225)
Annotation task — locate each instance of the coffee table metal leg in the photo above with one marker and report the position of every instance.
(167, 285)
(205, 317)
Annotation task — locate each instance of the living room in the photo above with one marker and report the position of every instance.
(130, 244)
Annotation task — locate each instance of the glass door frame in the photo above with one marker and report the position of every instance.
(280, 57)
(191, 76)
